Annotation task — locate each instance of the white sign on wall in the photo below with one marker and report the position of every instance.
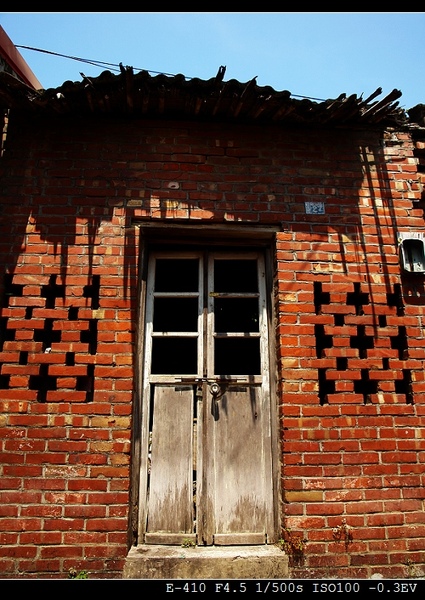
(315, 208)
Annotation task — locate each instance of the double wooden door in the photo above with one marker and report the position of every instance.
(206, 470)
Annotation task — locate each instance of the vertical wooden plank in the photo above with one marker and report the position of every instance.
(170, 502)
(145, 342)
(242, 485)
(201, 530)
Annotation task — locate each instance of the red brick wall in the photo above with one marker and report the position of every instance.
(348, 326)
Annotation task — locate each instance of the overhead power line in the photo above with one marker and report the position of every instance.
(96, 63)
(116, 67)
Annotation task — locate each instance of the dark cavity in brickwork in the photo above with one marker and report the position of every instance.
(339, 320)
(51, 291)
(43, 382)
(85, 383)
(6, 335)
(361, 341)
(366, 386)
(90, 336)
(46, 335)
(358, 299)
(4, 382)
(396, 299)
(92, 291)
(323, 341)
(404, 386)
(399, 342)
(341, 363)
(320, 297)
(73, 313)
(11, 289)
(420, 204)
(326, 387)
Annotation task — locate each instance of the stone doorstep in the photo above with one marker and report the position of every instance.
(206, 562)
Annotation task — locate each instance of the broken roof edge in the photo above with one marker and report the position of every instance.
(179, 97)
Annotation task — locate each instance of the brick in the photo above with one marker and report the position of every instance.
(105, 524)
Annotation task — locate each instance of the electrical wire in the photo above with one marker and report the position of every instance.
(96, 63)
(117, 67)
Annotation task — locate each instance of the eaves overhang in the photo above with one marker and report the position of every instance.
(176, 97)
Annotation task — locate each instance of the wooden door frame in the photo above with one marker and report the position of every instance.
(153, 235)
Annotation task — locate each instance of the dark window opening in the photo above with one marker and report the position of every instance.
(236, 315)
(237, 356)
(175, 314)
(176, 275)
(235, 276)
(174, 356)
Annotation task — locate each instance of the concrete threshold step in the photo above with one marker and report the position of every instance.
(205, 562)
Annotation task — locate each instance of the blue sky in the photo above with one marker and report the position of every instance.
(319, 55)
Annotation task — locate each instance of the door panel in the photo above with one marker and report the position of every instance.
(237, 490)
(170, 501)
(207, 401)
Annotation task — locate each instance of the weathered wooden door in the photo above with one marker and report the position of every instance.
(206, 472)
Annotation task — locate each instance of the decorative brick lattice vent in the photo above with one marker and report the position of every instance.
(48, 339)
(362, 348)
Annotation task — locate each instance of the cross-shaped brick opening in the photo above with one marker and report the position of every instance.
(358, 299)
(51, 291)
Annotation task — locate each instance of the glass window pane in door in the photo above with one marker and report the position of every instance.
(175, 314)
(235, 275)
(237, 356)
(174, 356)
(176, 275)
(236, 315)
